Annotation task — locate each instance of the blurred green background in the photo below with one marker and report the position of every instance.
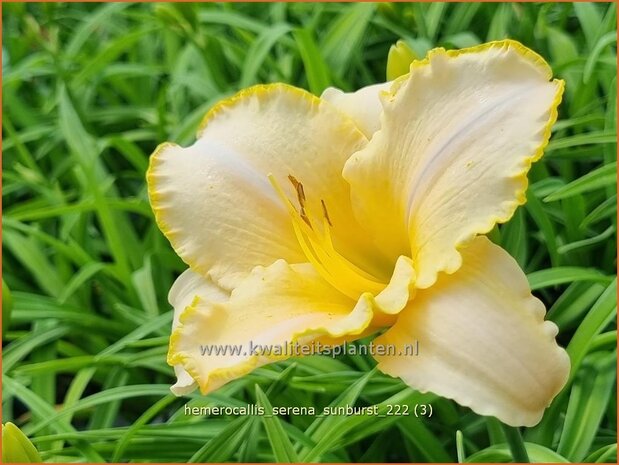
(89, 90)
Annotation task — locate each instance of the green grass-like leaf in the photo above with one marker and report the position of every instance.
(283, 450)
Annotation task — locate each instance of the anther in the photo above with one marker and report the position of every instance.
(298, 187)
(325, 212)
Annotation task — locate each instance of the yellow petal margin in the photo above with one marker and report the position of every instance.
(269, 316)
(458, 136)
(482, 340)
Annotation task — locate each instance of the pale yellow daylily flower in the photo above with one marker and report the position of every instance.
(326, 219)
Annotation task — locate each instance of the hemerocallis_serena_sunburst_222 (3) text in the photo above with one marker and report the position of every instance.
(331, 218)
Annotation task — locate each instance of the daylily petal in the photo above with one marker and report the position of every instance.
(363, 106)
(272, 307)
(185, 384)
(458, 136)
(213, 200)
(394, 297)
(185, 289)
(189, 285)
(482, 339)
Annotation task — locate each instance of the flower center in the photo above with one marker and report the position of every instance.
(312, 226)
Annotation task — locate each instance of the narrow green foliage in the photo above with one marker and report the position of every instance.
(588, 402)
(283, 449)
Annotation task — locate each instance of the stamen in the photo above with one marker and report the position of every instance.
(318, 246)
(298, 187)
(304, 217)
(325, 212)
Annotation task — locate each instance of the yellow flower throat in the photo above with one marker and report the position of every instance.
(313, 231)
